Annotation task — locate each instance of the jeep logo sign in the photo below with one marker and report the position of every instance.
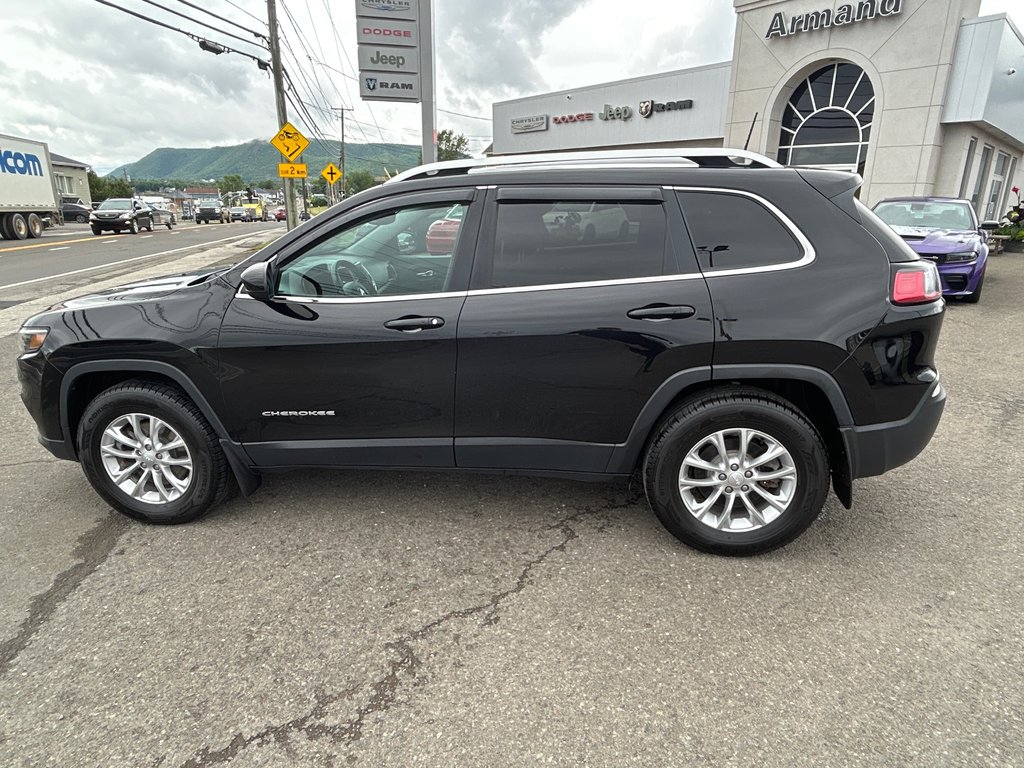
(615, 113)
(386, 58)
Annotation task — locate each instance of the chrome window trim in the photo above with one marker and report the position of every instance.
(809, 253)
(586, 284)
(241, 294)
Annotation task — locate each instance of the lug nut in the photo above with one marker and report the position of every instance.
(745, 488)
(720, 477)
(143, 465)
(728, 489)
(735, 467)
(748, 473)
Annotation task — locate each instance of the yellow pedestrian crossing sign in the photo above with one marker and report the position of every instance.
(289, 141)
(331, 173)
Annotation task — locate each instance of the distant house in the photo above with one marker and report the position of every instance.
(72, 178)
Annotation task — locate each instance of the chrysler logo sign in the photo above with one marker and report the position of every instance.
(529, 124)
(649, 107)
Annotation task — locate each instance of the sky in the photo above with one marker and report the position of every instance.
(107, 88)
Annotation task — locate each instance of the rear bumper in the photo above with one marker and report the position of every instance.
(877, 448)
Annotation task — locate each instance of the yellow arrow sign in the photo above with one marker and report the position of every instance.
(331, 173)
(291, 170)
(289, 142)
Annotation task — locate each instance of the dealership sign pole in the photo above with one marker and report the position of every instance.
(396, 57)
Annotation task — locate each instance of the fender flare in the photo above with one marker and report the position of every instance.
(241, 465)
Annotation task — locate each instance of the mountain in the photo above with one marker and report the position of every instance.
(257, 160)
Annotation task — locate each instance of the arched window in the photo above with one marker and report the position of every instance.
(827, 120)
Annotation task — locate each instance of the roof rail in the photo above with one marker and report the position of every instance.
(704, 157)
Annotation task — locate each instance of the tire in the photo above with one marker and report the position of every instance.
(198, 466)
(17, 226)
(80, 219)
(35, 225)
(149, 226)
(975, 297)
(133, 227)
(769, 423)
(168, 225)
(5, 227)
(96, 230)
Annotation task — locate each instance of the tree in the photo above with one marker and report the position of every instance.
(232, 183)
(269, 184)
(357, 181)
(451, 145)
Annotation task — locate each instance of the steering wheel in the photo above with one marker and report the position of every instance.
(356, 278)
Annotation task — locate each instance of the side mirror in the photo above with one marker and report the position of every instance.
(990, 224)
(256, 280)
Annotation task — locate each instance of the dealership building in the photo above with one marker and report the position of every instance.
(921, 97)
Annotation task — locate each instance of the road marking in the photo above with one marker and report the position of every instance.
(144, 237)
(36, 245)
(134, 258)
(104, 242)
(62, 248)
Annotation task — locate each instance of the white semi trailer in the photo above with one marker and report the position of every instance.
(28, 190)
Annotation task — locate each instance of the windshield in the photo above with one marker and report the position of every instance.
(116, 204)
(925, 215)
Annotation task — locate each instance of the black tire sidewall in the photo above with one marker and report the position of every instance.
(798, 437)
(109, 406)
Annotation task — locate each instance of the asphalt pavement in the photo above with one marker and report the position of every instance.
(396, 619)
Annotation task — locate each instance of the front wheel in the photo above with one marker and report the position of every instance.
(168, 225)
(148, 451)
(133, 227)
(975, 297)
(736, 472)
(96, 230)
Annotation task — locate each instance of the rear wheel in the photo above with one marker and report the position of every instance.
(96, 230)
(149, 453)
(736, 472)
(133, 227)
(17, 226)
(149, 225)
(80, 219)
(5, 223)
(35, 225)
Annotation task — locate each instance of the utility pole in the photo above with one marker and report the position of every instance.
(341, 154)
(282, 114)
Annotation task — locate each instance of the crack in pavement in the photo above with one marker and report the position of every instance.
(404, 665)
(92, 549)
(33, 462)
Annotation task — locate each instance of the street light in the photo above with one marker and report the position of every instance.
(214, 48)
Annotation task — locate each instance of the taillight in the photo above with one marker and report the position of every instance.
(916, 283)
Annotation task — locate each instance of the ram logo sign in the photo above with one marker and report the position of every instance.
(20, 163)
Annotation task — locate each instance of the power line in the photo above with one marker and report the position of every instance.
(463, 114)
(261, 21)
(220, 48)
(200, 23)
(222, 18)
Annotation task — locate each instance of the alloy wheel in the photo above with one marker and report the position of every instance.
(737, 480)
(146, 458)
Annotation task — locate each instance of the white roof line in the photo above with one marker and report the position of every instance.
(582, 159)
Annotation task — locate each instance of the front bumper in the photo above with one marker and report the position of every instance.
(877, 448)
(110, 224)
(961, 279)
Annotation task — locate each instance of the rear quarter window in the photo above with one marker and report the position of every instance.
(731, 231)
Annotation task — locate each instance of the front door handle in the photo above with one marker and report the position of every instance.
(662, 312)
(414, 323)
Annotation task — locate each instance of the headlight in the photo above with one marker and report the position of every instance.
(32, 339)
(126, 215)
(962, 256)
(92, 217)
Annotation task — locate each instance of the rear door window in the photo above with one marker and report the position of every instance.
(550, 242)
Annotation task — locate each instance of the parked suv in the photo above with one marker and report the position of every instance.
(211, 210)
(751, 334)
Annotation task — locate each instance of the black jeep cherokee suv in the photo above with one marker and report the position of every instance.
(735, 331)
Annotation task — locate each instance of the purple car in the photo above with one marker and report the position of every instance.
(944, 230)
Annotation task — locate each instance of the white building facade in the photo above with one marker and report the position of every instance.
(921, 97)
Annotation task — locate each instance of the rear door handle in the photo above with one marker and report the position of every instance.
(662, 312)
(414, 323)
